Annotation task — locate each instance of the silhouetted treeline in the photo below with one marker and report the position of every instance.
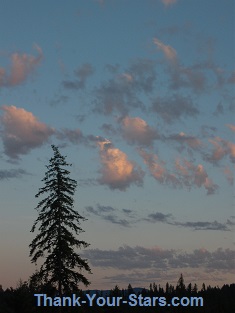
(215, 299)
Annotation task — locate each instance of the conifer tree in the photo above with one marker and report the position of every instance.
(59, 225)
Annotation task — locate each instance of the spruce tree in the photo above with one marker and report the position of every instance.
(58, 225)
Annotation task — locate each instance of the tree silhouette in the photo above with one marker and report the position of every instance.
(57, 222)
(180, 285)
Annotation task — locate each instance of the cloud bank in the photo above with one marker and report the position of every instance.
(129, 258)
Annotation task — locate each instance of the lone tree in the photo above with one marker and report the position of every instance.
(57, 222)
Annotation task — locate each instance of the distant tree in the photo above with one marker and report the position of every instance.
(129, 289)
(57, 223)
(195, 288)
(203, 287)
(167, 288)
(116, 291)
(180, 285)
(155, 288)
(189, 288)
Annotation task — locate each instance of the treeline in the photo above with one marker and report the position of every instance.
(215, 299)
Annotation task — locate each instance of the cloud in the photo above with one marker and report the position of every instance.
(218, 152)
(115, 95)
(142, 75)
(222, 148)
(232, 127)
(188, 77)
(107, 214)
(59, 99)
(231, 79)
(204, 225)
(182, 175)
(174, 108)
(184, 139)
(127, 218)
(136, 130)
(194, 175)
(168, 2)
(122, 91)
(74, 136)
(13, 173)
(169, 53)
(133, 258)
(229, 175)
(82, 73)
(219, 109)
(21, 131)
(158, 170)
(22, 65)
(200, 77)
(117, 171)
(158, 217)
(109, 129)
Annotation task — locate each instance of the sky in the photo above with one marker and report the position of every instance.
(139, 95)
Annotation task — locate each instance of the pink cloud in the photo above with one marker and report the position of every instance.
(183, 175)
(168, 2)
(117, 171)
(229, 175)
(168, 51)
(232, 127)
(231, 79)
(222, 148)
(194, 175)
(22, 65)
(22, 131)
(136, 130)
(219, 150)
(158, 170)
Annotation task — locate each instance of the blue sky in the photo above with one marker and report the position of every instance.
(140, 97)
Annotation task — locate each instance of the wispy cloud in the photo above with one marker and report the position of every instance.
(128, 218)
(231, 79)
(110, 214)
(184, 174)
(21, 131)
(159, 217)
(173, 108)
(157, 168)
(117, 171)
(229, 175)
(22, 65)
(167, 50)
(221, 149)
(232, 127)
(195, 175)
(184, 139)
(82, 74)
(168, 3)
(188, 77)
(199, 77)
(122, 91)
(13, 173)
(204, 225)
(74, 136)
